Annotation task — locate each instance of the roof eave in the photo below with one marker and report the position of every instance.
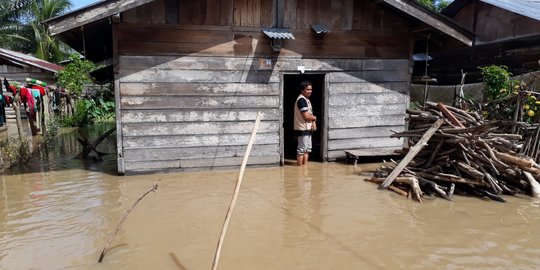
(90, 14)
(433, 19)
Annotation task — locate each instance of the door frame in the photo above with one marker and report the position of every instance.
(323, 152)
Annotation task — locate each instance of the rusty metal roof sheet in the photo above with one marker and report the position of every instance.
(528, 8)
(320, 28)
(28, 60)
(279, 33)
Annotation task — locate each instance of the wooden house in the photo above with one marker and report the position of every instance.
(18, 66)
(507, 33)
(190, 76)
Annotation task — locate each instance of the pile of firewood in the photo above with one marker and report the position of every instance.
(454, 151)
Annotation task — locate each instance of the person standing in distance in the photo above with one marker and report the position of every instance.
(304, 123)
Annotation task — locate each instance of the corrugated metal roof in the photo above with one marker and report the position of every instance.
(28, 60)
(528, 8)
(320, 28)
(279, 33)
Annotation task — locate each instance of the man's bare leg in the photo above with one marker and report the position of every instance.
(299, 159)
(306, 155)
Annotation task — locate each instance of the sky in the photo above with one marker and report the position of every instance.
(81, 3)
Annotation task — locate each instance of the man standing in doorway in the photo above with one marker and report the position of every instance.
(304, 123)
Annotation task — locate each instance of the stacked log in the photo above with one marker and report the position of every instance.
(455, 151)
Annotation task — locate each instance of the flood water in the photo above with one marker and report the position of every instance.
(59, 213)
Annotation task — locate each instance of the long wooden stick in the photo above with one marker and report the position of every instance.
(412, 153)
(154, 188)
(235, 194)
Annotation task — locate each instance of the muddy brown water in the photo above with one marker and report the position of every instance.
(59, 213)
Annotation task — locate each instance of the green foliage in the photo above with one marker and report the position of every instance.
(51, 130)
(14, 151)
(496, 81)
(88, 111)
(21, 28)
(46, 46)
(75, 75)
(436, 5)
(497, 92)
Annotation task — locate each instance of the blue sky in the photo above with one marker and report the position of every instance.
(81, 3)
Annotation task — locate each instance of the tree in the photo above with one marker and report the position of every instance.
(14, 34)
(75, 75)
(46, 46)
(436, 5)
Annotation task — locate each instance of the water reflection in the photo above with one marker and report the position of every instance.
(59, 213)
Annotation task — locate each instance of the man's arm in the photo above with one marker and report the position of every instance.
(308, 117)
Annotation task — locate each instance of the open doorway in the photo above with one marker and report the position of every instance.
(291, 90)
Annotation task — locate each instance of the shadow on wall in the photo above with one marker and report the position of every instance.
(445, 93)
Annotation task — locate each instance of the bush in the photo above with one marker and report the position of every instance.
(14, 151)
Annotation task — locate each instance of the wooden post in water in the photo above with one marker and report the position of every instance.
(17, 106)
(235, 194)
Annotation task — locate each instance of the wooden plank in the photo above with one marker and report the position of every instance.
(267, 15)
(347, 14)
(364, 143)
(173, 115)
(222, 102)
(209, 152)
(137, 63)
(324, 17)
(157, 9)
(366, 121)
(370, 76)
(199, 140)
(174, 76)
(171, 11)
(335, 10)
(367, 152)
(364, 132)
(367, 110)
(198, 89)
(103, 10)
(200, 49)
(226, 13)
(118, 106)
(198, 164)
(367, 88)
(192, 128)
(213, 12)
(301, 16)
(427, 18)
(347, 100)
(280, 12)
(411, 154)
(144, 13)
(130, 15)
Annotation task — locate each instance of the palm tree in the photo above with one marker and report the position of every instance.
(13, 33)
(46, 46)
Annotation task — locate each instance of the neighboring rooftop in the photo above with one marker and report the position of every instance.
(25, 60)
(527, 8)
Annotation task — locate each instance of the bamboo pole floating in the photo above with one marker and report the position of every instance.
(235, 193)
(154, 188)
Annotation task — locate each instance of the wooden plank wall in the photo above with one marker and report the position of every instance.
(496, 24)
(190, 91)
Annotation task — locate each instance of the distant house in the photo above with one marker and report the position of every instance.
(190, 76)
(507, 33)
(18, 66)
